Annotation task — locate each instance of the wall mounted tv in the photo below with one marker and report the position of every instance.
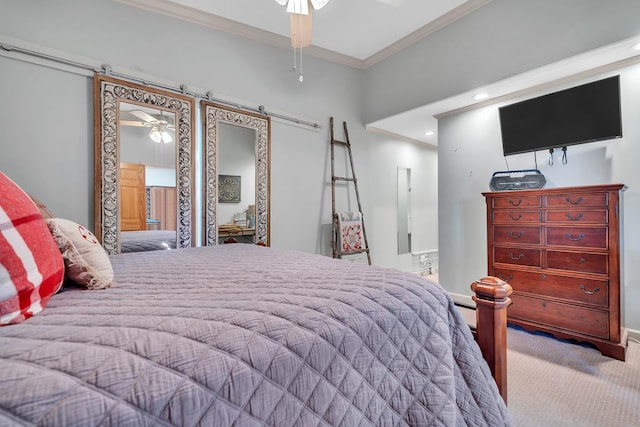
(586, 113)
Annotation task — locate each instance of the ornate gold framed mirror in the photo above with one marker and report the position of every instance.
(144, 161)
(237, 151)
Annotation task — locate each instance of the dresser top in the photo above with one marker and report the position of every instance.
(556, 190)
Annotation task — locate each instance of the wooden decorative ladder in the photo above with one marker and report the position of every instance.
(337, 246)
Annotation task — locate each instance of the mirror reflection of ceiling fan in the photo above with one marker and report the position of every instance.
(161, 127)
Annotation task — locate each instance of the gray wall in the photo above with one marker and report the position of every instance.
(471, 150)
(46, 116)
(499, 40)
(46, 141)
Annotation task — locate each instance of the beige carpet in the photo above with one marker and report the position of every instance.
(555, 383)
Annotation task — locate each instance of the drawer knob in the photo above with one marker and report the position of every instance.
(575, 218)
(515, 217)
(584, 289)
(543, 276)
(576, 202)
(583, 260)
(575, 239)
(512, 256)
(515, 203)
(516, 235)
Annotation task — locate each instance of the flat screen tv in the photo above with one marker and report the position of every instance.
(586, 113)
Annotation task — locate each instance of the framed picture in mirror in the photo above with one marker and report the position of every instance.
(229, 188)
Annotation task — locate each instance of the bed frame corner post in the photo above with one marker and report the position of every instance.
(492, 299)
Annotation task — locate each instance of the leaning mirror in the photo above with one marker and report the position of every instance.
(143, 167)
(236, 175)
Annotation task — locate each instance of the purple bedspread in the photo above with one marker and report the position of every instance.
(247, 336)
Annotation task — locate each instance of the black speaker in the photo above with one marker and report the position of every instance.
(528, 179)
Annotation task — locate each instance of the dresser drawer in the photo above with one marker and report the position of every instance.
(576, 261)
(576, 200)
(518, 256)
(516, 234)
(515, 216)
(564, 316)
(584, 237)
(577, 216)
(517, 202)
(572, 289)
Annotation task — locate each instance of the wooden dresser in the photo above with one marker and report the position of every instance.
(559, 248)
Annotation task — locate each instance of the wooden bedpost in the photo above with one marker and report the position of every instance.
(492, 298)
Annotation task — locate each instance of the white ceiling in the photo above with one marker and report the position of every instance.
(359, 33)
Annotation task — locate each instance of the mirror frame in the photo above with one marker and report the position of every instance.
(212, 114)
(107, 94)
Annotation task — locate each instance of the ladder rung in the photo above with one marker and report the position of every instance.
(358, 251)
(340, 178)
(335, 141)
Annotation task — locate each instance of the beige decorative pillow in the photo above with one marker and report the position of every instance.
(85, 260)
(44, 210)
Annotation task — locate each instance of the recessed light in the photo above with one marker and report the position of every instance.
(429, 133)
(636, 46)
(480, 96)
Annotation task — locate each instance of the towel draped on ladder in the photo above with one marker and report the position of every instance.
(350, 231)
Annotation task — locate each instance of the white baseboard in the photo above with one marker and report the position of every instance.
(464, 300)
(634, 334)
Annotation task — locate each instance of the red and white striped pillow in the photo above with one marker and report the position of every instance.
(31, 265)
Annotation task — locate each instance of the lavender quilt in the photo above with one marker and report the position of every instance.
(242, 335)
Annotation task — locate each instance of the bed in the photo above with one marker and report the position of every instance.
(246, 335)
(147, 240)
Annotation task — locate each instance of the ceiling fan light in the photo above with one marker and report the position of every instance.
(155, 135)
(166, 137)
(301, 7)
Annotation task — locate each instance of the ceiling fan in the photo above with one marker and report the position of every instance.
(302, 28)
(300, 19)
(161, 126)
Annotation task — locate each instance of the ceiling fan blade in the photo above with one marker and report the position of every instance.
(143, 116)
(132, 123)
(282, 2)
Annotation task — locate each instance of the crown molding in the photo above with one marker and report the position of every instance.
(379, 131)
(219, 23)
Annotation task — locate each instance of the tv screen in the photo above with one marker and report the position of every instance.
(586, 113)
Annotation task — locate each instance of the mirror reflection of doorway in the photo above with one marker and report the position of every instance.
(237, 182)
(404, 210)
